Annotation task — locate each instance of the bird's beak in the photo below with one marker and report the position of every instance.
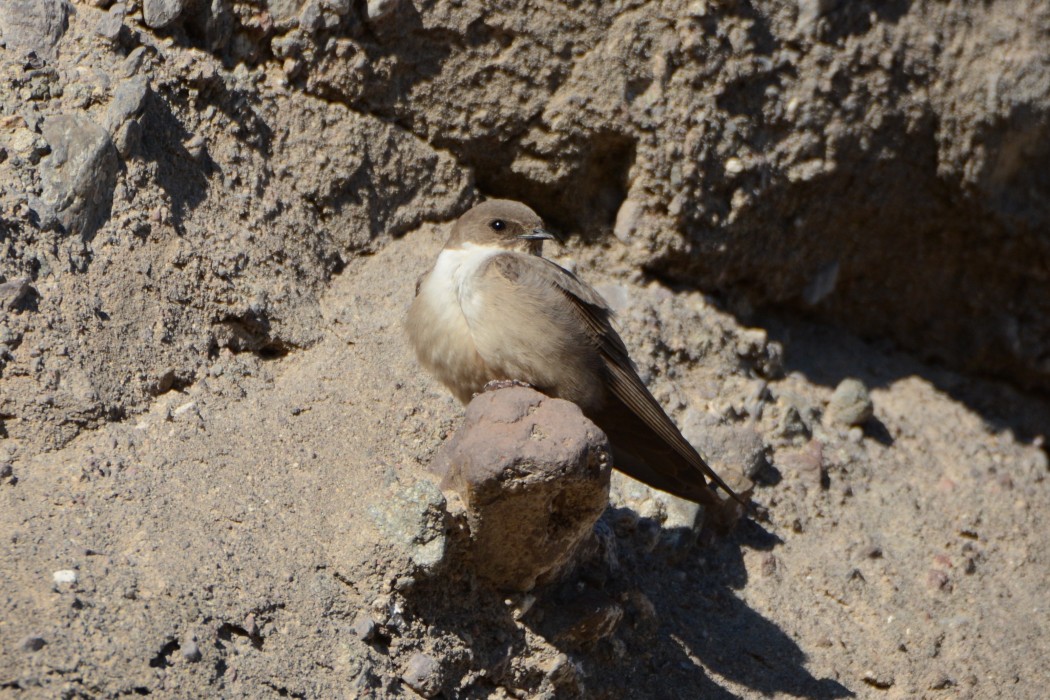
(537, 234)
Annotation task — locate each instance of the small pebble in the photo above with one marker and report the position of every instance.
(64, 576)
(191, 652)
(185, 408)
(850, 404)
(423, 674)
(33, 643)
(378, 9)
(364, 628)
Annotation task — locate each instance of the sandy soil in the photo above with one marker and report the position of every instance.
(214, 440)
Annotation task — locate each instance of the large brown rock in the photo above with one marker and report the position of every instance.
(533, 475)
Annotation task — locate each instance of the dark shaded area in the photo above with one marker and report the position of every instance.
(227, 631)
(845, 18)
(183, 178)
(825, 355)
(636, 621)
(251, 331)
(163, 657)
(697, 617)
(598, 186)
(733, 640)
(885, 249)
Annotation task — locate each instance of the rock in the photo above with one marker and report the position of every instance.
(79, 175)
(160, 13)
(191, 652)
(627, 218)
(731, 449)
(413, 520)
(284, 12)
(791, 425)
(850, 404)
(33, 643)
(681, 527)
(809, 12)
(33, 26)
(364, 628)
(423, 675)
(128, 101)
(561, 678)
(127, 138)
(112, 22)
(310, 17)
(12, 292)
(533, 475)
(380, 9)
(64, 576)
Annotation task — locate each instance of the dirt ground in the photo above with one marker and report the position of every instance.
(214, 439)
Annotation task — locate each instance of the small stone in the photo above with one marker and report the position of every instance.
(940, 681)
(33, 26)
(681, 527)
(12, 292)
(364, 628)
(627, 218)
(196, 146)
(64, 576)
(807, 463)
(185, 408)
(882, 681)
(413, 520)
(791, 425)
(250, 626)
(79, 175)
(112, 22)
(33, 643)
(809, 12)
(380, 9)
(310, 17)
(423, 674)
(160, 13)
(734, 166)
(850, 404)
(128, 100)
(561, 678)
(131, 65)
(191, 652)
(729, 448)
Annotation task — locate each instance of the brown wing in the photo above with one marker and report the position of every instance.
(634, 421)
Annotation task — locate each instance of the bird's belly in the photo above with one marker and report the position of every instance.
(445, 345)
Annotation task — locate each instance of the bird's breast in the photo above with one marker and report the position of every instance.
(438, 324)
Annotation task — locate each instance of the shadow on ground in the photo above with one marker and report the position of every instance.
(826, 356)
(632, 622)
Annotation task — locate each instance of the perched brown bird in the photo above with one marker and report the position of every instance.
(492, 309)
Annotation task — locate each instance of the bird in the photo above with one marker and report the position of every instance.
(492, 311)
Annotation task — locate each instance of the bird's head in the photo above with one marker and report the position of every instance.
(501, 223)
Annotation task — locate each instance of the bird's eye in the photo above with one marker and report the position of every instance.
(497, 224)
